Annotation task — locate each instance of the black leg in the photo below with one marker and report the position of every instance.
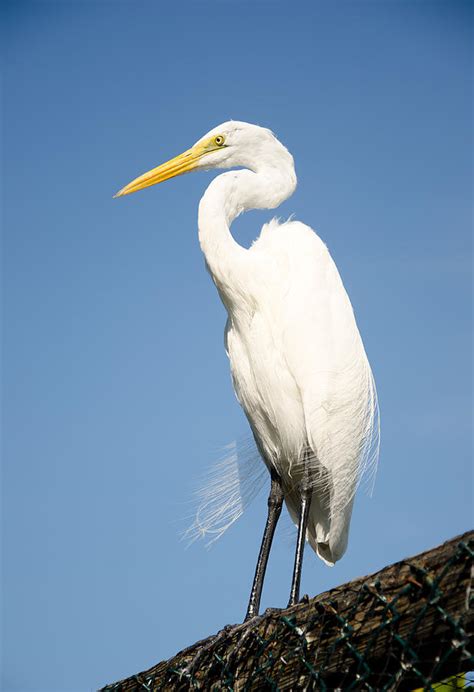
(306, 492)
(275, 501)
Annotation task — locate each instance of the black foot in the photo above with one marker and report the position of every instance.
(213, 641)
(294, 601)
(227, 632)
(248, 628)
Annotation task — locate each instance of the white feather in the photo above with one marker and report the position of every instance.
(229, 486)
(298, 363)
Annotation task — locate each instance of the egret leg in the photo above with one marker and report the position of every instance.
(275, 502)
(306, 492)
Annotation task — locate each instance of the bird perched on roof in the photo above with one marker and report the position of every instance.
(298, 364)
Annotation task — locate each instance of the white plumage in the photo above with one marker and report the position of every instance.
(297, 360)
(298, 363)
(301, 374)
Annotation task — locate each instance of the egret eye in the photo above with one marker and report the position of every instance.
(219, 140)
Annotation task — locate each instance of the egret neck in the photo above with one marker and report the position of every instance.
(228, 196)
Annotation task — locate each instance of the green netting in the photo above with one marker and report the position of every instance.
(406, 628)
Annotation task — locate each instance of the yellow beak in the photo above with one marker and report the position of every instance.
(185, 162)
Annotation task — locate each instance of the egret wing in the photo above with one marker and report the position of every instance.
(325, 354)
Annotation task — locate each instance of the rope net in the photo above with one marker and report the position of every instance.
(406, 627)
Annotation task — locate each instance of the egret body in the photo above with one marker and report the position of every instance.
(298, 364)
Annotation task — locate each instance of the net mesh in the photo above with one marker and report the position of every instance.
(405, 628)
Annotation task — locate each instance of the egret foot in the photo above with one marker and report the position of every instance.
(247, 628)
(213, 641)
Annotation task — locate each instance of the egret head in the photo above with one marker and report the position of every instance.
(233, 144)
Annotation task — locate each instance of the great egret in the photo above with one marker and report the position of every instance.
(298, 363)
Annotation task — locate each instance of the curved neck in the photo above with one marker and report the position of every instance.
(227, 196)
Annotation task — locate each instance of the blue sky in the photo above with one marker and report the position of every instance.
(117, 394)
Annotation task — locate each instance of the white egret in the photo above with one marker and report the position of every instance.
(298, 363)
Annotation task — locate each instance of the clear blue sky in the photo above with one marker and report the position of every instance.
(117, 394)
